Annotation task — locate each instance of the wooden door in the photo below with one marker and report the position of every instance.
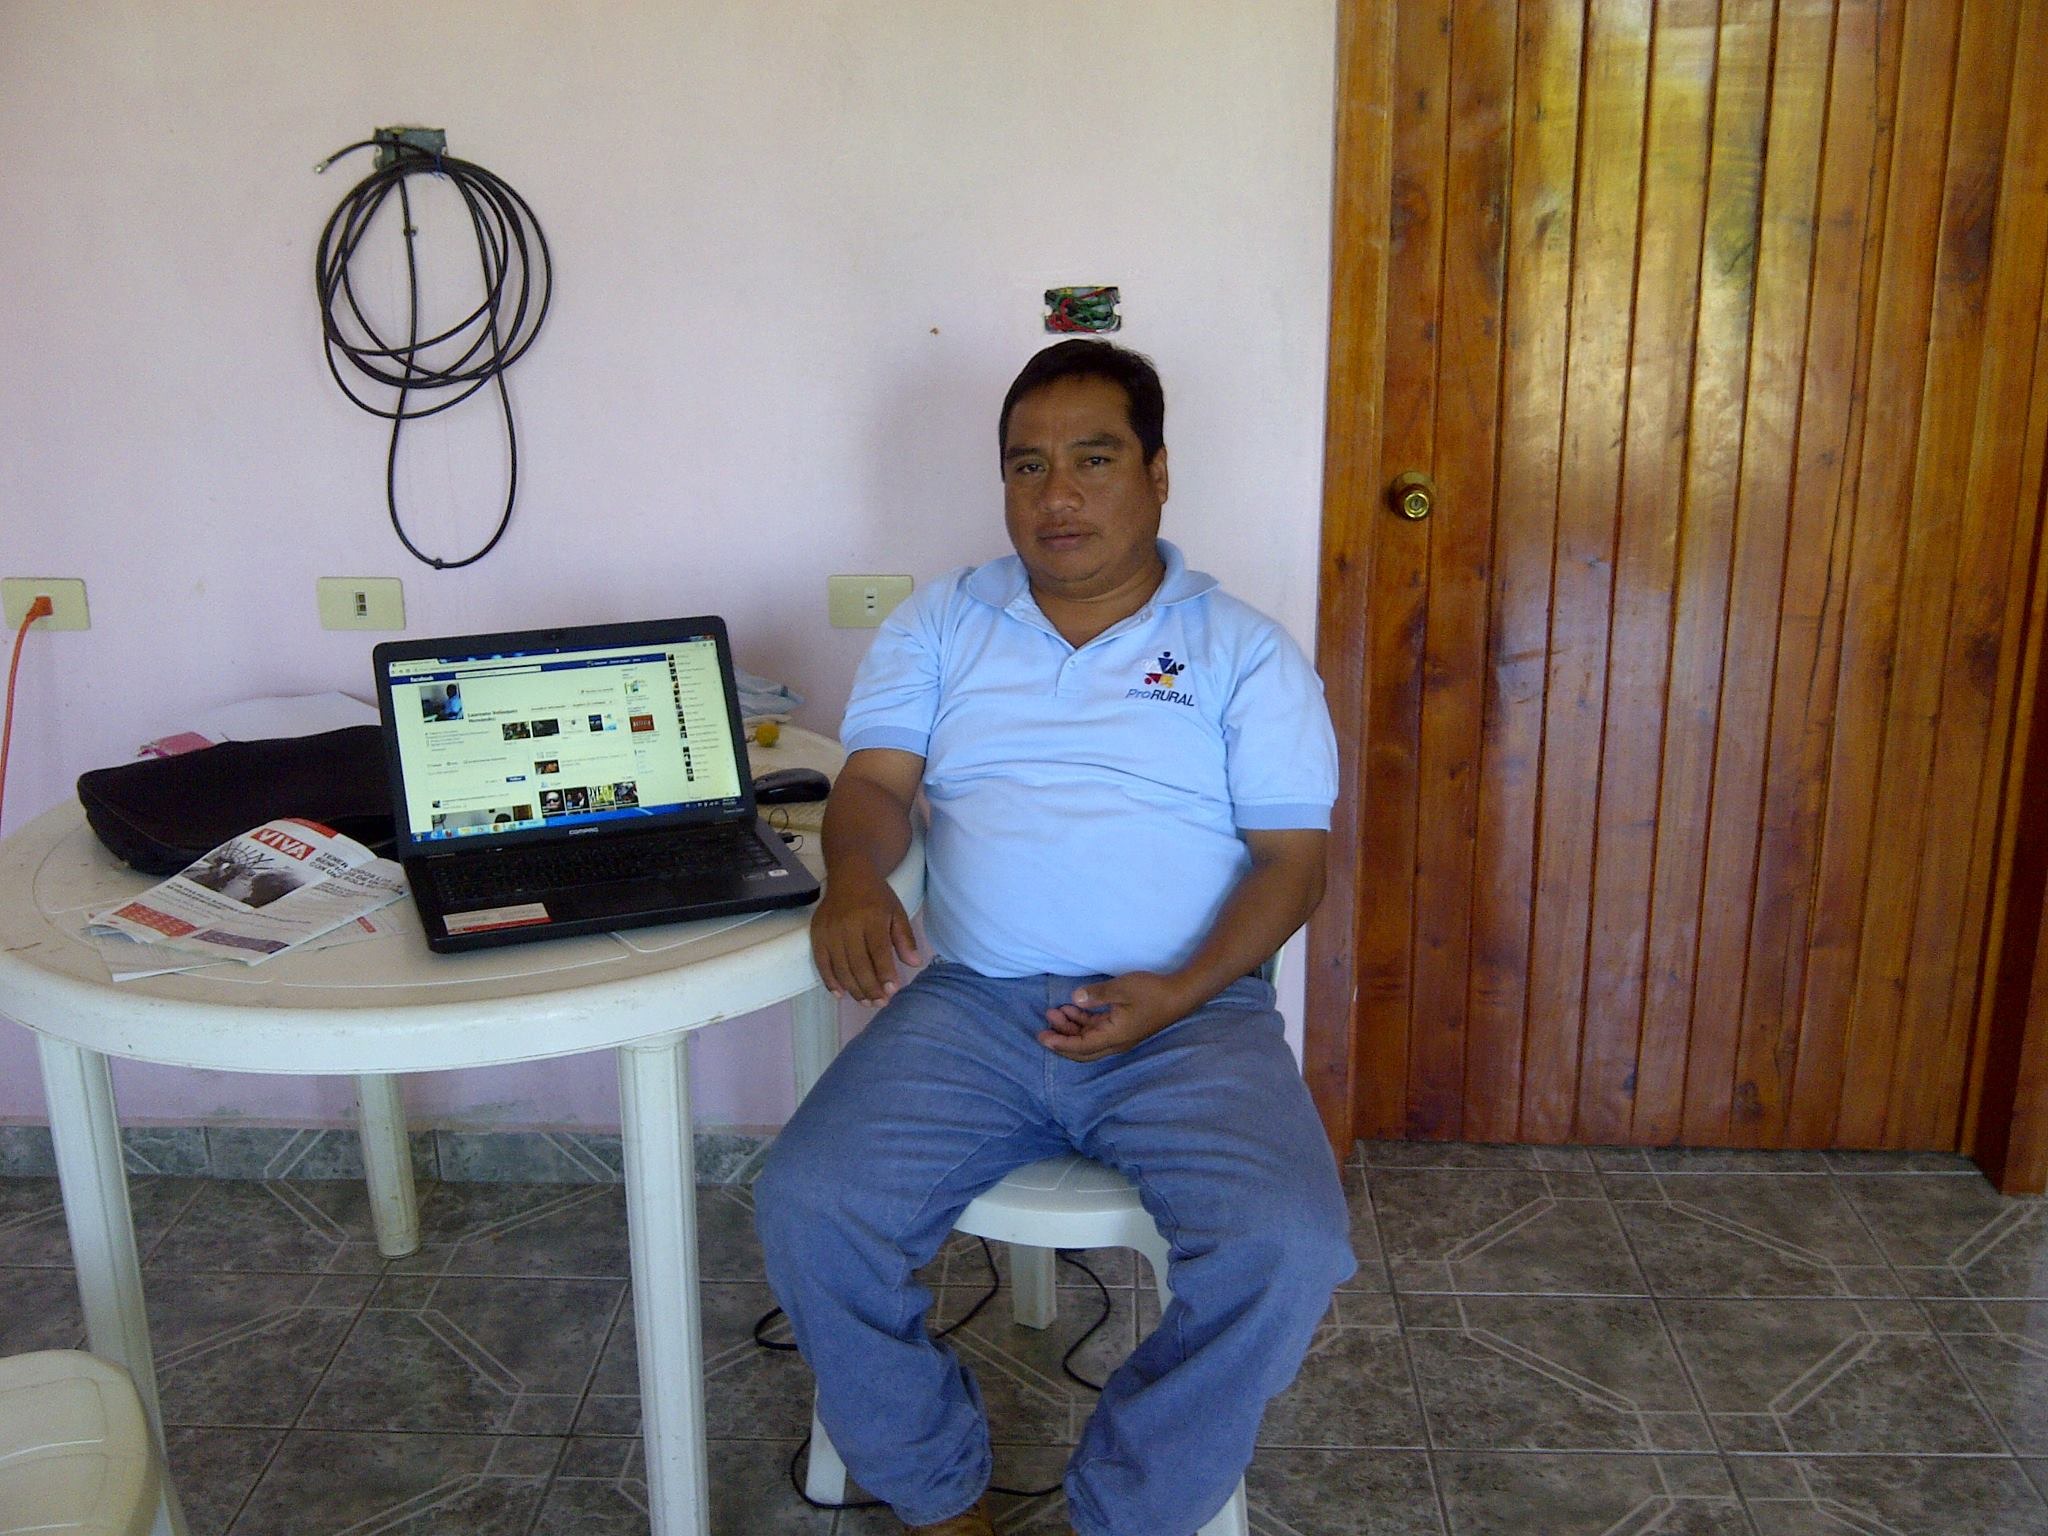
(1679, 736)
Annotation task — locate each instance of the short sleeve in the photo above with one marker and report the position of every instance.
(1281, 751)
(895, 697)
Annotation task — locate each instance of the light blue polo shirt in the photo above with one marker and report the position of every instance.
(1086, 803)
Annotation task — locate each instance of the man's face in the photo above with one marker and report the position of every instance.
(1079, 501)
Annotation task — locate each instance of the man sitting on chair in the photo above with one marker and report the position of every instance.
(1130, 777)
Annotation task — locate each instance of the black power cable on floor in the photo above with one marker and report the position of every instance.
(767, 1319)
(512, 254)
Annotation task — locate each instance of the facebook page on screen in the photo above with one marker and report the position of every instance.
(504, 744)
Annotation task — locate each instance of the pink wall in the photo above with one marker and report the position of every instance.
(799, 249)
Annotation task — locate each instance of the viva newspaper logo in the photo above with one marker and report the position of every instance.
(1163, 684)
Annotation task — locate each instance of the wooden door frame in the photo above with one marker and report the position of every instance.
(2005, 1111)
(1359, 250)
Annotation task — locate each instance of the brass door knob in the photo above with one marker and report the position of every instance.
(1414, 494)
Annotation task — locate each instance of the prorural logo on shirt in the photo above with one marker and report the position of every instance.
(1163, 684)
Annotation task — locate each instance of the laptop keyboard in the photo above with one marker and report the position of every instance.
(709, 850)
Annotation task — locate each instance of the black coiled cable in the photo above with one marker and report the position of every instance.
(512, 253)
(767, 1320)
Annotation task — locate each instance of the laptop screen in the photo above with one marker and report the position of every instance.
(560, 738)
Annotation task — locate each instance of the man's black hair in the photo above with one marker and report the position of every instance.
(1080, 358)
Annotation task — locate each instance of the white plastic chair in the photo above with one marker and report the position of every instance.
(76, 1453)
(1062, 1202)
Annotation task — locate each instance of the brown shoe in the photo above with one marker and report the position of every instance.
(975, 1522)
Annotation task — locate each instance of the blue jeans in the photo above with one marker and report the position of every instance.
(946, 1091)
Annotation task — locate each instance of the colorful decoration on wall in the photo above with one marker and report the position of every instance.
(1082, 309)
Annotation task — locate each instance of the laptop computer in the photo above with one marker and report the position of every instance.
(578, 780)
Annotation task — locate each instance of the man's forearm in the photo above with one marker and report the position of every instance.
(1275, 897)
(867, 831)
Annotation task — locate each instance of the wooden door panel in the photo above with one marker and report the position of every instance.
(1893, 1051)
(1397, 607)
(1888, 1047)
(1848, 225)
(1682, 732)
(1761, 564)
(1698, 1061)
(1841, 973)
(1667, 278)
(1549, 54)
(1581, 586)
(1469, 349)
(1983, 642)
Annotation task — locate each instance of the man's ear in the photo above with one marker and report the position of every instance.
(1157, 470)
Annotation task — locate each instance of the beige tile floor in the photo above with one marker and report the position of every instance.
(1570, 1342)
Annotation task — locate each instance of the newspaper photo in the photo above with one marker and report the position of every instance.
(275, 888)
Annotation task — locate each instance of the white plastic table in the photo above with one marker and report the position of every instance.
(389, 1006)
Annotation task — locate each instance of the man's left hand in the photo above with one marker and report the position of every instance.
(1111, 1016)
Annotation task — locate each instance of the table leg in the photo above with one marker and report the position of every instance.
(661, 1226)
(387, 1162)
(79, 1091)
(814, 1028)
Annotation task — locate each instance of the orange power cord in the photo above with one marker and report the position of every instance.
(39, 609)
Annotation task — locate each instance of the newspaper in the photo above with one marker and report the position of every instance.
(272, 889)
(129, 959)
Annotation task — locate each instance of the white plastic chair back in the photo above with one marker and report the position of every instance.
(76, 1454)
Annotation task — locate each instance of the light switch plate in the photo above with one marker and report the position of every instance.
(862, 602)
(361, 602)
(67, 593)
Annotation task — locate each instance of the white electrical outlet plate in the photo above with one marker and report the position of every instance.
(67, 593)
(862, 602)
(362, 602)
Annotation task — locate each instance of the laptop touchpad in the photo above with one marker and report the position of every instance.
(613, 898)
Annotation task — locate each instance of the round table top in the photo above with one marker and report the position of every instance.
(388, 1004)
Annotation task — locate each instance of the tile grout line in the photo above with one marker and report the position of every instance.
(276, 1451)
(314, 1280)
(1919, 1305)
(1436, 1482)
(142, 1259)
(375, 1279)
(1685, 1372)
(554, 1473)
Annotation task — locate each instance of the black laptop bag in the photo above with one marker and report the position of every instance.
(162, 813)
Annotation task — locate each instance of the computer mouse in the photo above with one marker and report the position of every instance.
(788, 786)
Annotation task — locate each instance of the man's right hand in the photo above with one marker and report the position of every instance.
(859, 931)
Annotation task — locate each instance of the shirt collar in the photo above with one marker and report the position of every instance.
(1002, 582)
